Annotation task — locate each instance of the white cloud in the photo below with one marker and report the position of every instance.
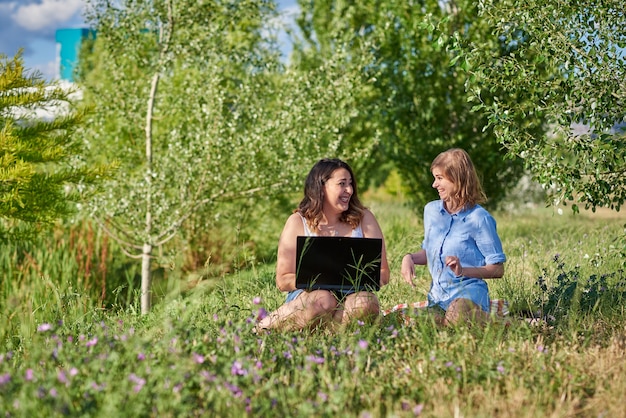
(47, 14)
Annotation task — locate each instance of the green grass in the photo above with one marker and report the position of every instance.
(62, 354)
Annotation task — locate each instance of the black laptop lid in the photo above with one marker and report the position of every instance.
(338, 263)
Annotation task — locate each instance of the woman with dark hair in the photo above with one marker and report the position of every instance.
(461, 246)
(330, 207)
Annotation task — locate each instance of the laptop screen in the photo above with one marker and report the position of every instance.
(338, 263)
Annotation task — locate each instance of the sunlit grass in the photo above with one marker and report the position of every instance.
(195, 354)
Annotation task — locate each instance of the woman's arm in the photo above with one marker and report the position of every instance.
(371, 229)
(407, 269)
(286, 257)
(489, 271)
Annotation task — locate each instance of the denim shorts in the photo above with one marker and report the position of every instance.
(339, 294)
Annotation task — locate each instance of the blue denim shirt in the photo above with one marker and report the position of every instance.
(470, 235)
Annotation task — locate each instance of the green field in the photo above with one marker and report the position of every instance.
(63, 354)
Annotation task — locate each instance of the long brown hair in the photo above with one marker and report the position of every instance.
(312, 204)
(456, 166)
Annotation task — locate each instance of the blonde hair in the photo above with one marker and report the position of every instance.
(456, 166)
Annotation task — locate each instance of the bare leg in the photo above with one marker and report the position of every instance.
(465, 311)
(307, 310)
(360, 305)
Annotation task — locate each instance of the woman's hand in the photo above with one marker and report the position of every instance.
(407, 269)
(454, 263)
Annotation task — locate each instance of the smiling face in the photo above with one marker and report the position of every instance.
(338, 191)
(444, 187)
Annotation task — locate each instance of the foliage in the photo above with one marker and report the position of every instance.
(417, 98)
(199, 110)
(571, 293)
(569, 58)
(42, 176)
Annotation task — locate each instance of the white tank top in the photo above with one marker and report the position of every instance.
(356, 232)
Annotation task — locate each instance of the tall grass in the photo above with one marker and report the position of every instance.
(195, 354)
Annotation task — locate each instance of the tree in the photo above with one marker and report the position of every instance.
(193, 100)
(570, 58)
(41, 173)
(418, 100)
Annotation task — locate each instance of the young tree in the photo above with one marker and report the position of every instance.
(41, 174)
(192, 99)
(418, 98)
(582, 47)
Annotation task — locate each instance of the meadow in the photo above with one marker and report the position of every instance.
(62, 353)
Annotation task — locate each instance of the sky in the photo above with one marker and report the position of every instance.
(32, 24)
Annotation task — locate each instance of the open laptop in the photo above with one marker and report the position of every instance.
(338, 263)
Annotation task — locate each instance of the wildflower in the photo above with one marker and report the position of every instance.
(261, 314)
(4, 379)
(256, 300)
(323, 397)
(500, 368)
(139, 382)
(62, 377)
(29, 375)
(417, 409)
(363, 344)
(73, 371)
(198, 358)
(44, 327)
(315, 359)
(92, 342)
(141, 356)
(237, 369)
(53, 392)
(234, 389)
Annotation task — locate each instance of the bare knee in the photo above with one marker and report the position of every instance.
(321, 303)
(362, 305)
(464, 311)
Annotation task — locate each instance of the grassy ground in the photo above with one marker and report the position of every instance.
(195, 354)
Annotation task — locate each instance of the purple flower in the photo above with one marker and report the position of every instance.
(44, 327)
(92, 342)
(237, 369)
(363, 344)
(261, 314)
(256, 300)
(62, 377)
(500, 368)
(417, 409)
(139, 382)
(141, 356)
(234, 389)
(28, 376)
(198, 358)
(4, 379)
(315, 359)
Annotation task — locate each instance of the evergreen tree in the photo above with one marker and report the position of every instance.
(41, 175)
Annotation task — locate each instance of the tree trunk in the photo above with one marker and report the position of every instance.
(146, 279)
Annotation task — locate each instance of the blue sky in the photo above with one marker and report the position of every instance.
(32, 24)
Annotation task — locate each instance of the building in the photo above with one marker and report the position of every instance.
(69, 42)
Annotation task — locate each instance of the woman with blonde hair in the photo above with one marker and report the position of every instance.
(461, 246)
